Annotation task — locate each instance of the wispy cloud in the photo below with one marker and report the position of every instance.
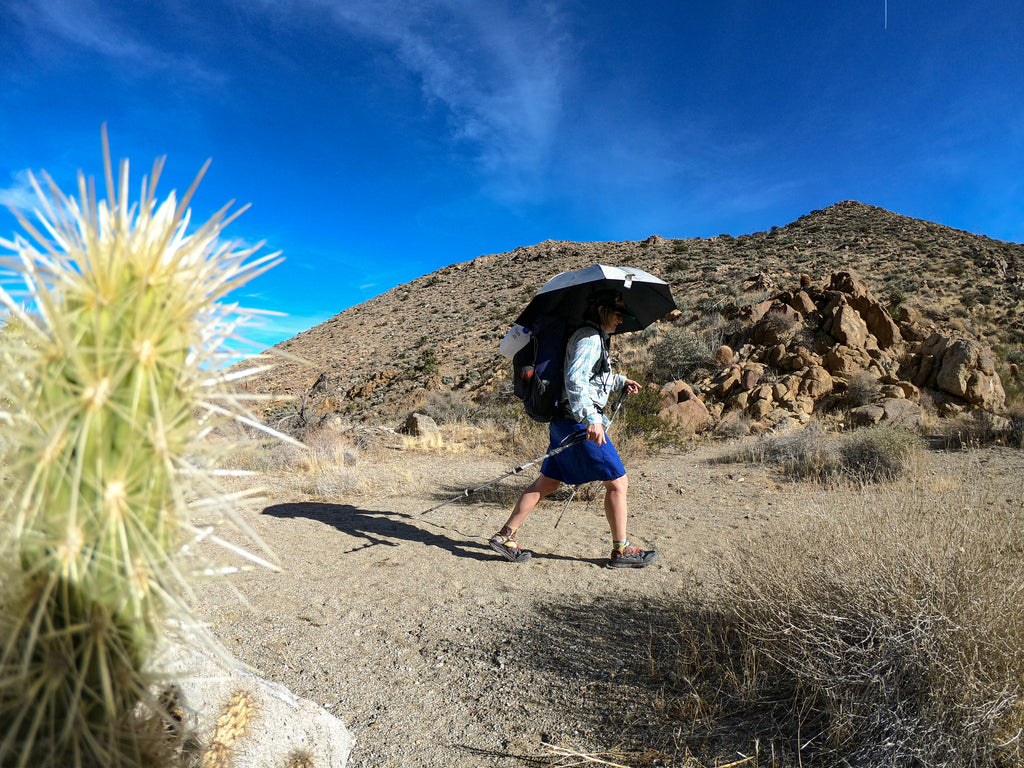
(272, 329)
(93, 26)
(20, 195)
(497, 68)
(83, 22)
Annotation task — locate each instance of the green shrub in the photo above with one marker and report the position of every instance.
(638, 419)
(896, 299)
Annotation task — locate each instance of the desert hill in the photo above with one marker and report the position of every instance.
(377, 360)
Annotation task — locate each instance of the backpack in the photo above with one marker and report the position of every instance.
(537, 369)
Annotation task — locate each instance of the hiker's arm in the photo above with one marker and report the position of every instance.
(619, 381)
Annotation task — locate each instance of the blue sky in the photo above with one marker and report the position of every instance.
(379, 141)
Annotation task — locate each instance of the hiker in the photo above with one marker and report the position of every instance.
(588, 383)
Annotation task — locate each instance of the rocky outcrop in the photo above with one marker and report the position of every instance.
(964, 368)
(798, 352)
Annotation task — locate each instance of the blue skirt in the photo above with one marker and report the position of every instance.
(584, 462)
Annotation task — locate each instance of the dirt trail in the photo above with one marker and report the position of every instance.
(434, 651)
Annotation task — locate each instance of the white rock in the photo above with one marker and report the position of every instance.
(274, 727)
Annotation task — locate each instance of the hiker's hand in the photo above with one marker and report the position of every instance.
(632, 387)
(595, 434)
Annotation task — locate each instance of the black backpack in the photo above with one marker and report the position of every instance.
(537, 370)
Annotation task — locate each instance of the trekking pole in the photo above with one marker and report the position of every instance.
(470, 491)
(615, 410)
(577, 439)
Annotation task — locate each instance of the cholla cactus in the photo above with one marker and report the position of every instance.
(110, 388)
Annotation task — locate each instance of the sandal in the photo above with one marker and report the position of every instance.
(505, 544)
(632, 557)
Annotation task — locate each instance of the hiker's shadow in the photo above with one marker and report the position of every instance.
(390, 529)
(375, 528)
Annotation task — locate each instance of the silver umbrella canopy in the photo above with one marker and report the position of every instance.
(568, 294)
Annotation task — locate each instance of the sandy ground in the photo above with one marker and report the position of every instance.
(434, 651)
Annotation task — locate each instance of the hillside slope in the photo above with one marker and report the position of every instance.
(377, 360)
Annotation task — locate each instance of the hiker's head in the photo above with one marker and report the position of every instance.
(608, 310)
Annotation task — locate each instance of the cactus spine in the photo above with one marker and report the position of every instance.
(108, 385)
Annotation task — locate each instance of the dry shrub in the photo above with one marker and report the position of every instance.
(862, 389)
(981, 428)
(682, 352)
(448, 407)
(888, 632)
(734, 423)
(869, 455)
(877, 454)
(327, 465)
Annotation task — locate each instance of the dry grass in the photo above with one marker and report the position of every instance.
(884, 632)
(870, 455)
(982, 428)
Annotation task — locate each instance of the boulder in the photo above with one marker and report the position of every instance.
(816, 383)
(777, 325)
(792, 386)
(961, 367)
(900, 412)
(842, 360)
(757, 311)
(687, 417)
(420, 425)
(866, 415)
(910, 392)
(804, 405)
(847, 326)
(986, 390)
(872, 313)
(725, 381)
(750, 376)
(847, 282)
(228, 712)
(801, 357)
(879, 322)
(892, 391)
(802, 303)
(896, 412)
(676, 392)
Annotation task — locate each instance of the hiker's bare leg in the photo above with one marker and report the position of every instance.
(615, 506)
(540, 488)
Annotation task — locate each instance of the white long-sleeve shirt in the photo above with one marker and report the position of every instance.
(589, 383)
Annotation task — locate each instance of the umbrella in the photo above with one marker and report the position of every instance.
(568, 294)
